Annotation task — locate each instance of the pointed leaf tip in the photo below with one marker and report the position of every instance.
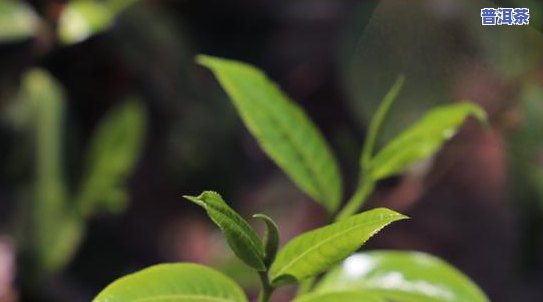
(194, 199)
(313, 252)
(423, 139)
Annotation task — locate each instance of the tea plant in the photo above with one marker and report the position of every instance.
(51, 218)
(292, 141)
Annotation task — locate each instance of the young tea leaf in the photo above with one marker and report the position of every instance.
(401, 276)
(282, 129)
(315, 251)
(271, 239)
(378, 119)
(173, 282)
(239, 234)
(423, 139)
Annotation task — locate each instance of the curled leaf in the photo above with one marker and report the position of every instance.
(271, 238)
(240, 236)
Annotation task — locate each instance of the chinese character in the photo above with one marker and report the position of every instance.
(489, 16)
(505, 16)
(521, 16)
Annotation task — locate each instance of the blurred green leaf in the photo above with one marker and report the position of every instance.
(282, 128)
(56, 230)
(18, 21)
(114, 150)
(423, 139)
(81, 19)
(271, 238)
(315, 251)
(340, 296)
(239, 234)
(173, 282)
(402, 276)
(59, 239)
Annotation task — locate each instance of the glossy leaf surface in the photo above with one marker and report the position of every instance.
(423, 139)
(239, 234)
(315, 251)
(282, 129)
(402, 276)
(341, 296)
(171, 283)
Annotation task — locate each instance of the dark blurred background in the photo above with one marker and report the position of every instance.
(104, 96)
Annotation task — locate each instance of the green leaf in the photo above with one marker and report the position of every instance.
(18, 21)
(282, 129)
(340, 296)
(402, 276)
(271, 238)
(173, 282)
(423, 139)
(377, 120)
(239, 234)
(82, 19)
(114, 150)
(315, 251)
(56, 230)
(366, 184)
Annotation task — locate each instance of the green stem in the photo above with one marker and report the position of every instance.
(357, 200)
(267, 289)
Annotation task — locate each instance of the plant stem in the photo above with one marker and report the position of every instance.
(267, 289)
(357, 200)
